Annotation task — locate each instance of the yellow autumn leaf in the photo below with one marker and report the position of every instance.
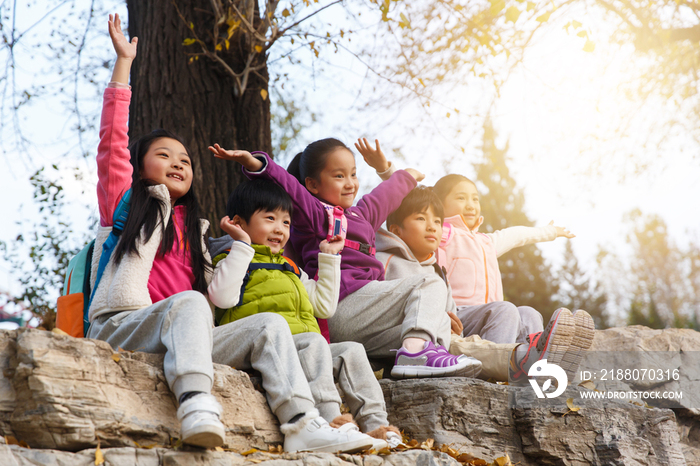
(116, 357)
(404, 23)
(576, 24)
(227, 43)
(512, 14)
(448, 114)
(530, 6)
(189, 41)
(58, 331)
(421, 82)
(219, 47)
(497, 6)
(582, 34)
(263, 94)
(191, 25)
(589, 46)
(572, 408)
(544, 17)
(503, 461)
(249, 452)
(218, 449)
(258, 48)
(285, 12)
(99, 457)
(587, 384)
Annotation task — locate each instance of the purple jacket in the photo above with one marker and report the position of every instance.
(310, 223)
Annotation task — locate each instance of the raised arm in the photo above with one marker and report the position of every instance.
(514, 237)
(114, 168)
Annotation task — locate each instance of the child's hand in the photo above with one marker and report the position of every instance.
(415, 174)
(456, 324)
(373, 157)
(122, 46)
(561, 231)
(334, 246)
(234, 230)
(243, 157)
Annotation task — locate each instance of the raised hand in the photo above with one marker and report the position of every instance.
(373, 157)
(243, 157)
(415, 174)
(561, 231)
(334, 246)
(122, 46)
(234, 230)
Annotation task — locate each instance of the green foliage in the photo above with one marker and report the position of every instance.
(577, 291)
(657, 284)
(527, 278)
(38, 257)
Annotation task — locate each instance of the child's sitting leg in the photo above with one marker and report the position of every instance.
(500, 321)
(263, 342)
(530, 322)
(181, 327)
(347, 363)
(383, 315)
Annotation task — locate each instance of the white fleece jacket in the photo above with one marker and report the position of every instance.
(124, 287)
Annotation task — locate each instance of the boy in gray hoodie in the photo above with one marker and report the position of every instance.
(410, 248)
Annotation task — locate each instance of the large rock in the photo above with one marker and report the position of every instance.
(488, 420)
(66, 393)
(14, 455)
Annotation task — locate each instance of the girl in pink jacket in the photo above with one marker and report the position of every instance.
(471, 261)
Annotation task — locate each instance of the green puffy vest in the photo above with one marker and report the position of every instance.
(272, 291)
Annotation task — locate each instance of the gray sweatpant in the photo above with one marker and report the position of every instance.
(347, 363)
(181, 326)
(500, 321)
(381, 314)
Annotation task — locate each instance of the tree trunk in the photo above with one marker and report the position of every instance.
(196, 100)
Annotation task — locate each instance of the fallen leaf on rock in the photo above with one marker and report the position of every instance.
(572, 408)
(428, 444)
(379, 375)
(249, 452)
(218, 449)
(58, 331)
(116, 357)
(384, 451)
(587, 384)
(503, 461)
(99, 457)
(276, 449)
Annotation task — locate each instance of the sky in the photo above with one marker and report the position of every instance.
(548, 112)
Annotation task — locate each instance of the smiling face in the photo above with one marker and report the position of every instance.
(167, 162)
(421, 232)
(463, 200)
(337, 183)
(267, 228)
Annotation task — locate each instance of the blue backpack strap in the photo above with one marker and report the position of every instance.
(121, 213)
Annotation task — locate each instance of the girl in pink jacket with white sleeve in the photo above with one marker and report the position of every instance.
(471, 261)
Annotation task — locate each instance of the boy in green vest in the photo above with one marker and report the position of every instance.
(252, 276)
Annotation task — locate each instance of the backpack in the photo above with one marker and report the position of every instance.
(74, 303)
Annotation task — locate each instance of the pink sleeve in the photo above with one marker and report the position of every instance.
(113, 166)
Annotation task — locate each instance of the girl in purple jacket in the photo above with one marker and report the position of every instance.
(382, 315)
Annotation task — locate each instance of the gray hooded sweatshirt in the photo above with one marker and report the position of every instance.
(399, 262)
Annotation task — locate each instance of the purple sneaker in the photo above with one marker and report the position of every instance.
(433, 361)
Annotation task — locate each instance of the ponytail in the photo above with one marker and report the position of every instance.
(294, 169)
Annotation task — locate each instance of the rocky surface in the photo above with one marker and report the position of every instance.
(64, 393)
(63, 396)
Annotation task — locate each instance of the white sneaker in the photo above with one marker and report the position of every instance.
(313, 433)
(393, 439)
(377, 443)
(200, 423)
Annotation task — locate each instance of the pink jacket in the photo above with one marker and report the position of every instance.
(471, 258)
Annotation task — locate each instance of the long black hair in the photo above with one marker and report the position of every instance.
(145, 214)
(311, 162)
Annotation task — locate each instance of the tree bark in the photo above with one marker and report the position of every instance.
(196, 100)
